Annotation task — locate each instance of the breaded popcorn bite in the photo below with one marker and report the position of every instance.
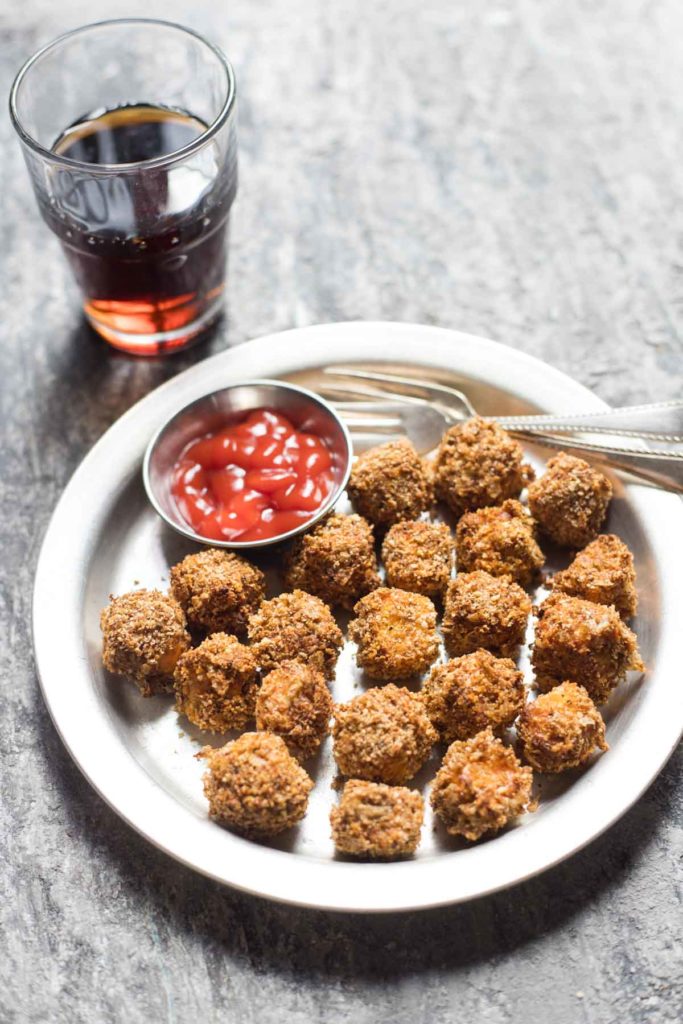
(560, 729)
(255, 786)
(418, 556)
(500, 540)
(570, 500)
(480, 787)
(295, 627)
(603, 572)
(217, 590)
(384, 735)
(390, 483)
(470, 693)
(335, 561)
(584, 641)
(395, 632)
(484, 611)
(479, 464)
(144, 634)
(216, 684)
(374, 820)
(295, 703)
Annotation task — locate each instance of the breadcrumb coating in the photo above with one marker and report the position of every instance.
(295, 703)
(216, 684)
(144, 634)
(418, 556)
(470, 693)
(374, 820)
(255, 786)
(584, 641)
(604, 573)
(295, 627)
(390, 483)
(218, 591)
(560, 729)
(480, 787)
(570, 500)
(384, 735)
(335, 561)
(500, 540)
(479, 464)
(395, 632)
(484, 611)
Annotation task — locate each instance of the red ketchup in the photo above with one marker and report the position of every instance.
(255, 479)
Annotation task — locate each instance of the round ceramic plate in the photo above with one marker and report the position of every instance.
(104, 538)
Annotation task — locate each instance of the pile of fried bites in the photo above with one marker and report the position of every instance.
(234, 659)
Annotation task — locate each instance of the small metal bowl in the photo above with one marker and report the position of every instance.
(219, 409)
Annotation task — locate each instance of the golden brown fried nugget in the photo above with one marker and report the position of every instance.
(418, 556)
(374, 820)
(295, 627)
(470, 693)
(217, 590)
(216, 684)
(143, 636)
(335, 560)
(580, 640)
(570, 500)
(603, 572)
(395, 632)
(295, 703)
(500, 540)
(480, 787)
(484, 611)
(479, 464)
(560, 729)
(383, 735)
(255, 786)
(390, 483)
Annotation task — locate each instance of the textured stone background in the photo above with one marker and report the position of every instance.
(510, 168)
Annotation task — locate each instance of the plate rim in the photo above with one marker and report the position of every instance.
(154, 809)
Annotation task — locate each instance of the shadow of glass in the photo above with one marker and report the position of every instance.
(96, 384)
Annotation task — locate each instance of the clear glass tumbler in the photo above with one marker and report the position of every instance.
(128, 132)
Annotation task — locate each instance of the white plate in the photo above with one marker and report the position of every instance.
(104, 538)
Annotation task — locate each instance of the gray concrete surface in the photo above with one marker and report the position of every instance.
(511, 168)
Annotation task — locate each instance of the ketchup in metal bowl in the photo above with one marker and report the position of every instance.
(255, 479)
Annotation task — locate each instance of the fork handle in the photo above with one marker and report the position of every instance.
(665, 469)
(661, 421)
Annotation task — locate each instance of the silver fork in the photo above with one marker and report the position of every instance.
(424, 422)
(658, 421)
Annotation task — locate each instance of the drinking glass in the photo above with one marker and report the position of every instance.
(146, 239)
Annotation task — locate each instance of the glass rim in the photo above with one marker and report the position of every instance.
(159, 161)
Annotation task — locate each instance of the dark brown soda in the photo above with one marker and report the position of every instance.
(147, 247)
